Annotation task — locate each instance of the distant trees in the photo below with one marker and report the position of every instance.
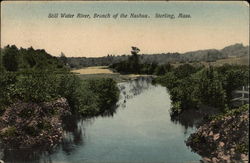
(63, 58)
(131, 65)
(134, 65)
(210, 55)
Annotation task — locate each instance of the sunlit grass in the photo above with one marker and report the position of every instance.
(94, 70)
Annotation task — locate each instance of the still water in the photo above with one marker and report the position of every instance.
(139, 130)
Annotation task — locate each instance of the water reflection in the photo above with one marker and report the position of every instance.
(73, 134)
(132, 88)
(194, 117)
(26, 156)
(189, 118)
(75, 126)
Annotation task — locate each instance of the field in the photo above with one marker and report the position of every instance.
(104, 72)
(93, 70)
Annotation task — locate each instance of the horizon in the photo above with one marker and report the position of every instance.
(213, 25)
(129, 53)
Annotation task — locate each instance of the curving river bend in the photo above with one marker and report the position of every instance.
(139, 130)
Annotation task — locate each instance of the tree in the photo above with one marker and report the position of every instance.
(134, 60)
(135, 50)
(63, 58)
(210, 89)
(10, 58)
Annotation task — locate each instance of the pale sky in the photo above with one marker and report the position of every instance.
(212, 25)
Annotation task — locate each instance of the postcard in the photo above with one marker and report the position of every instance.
(124, 81)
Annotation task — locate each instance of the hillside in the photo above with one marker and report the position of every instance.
(209, 55)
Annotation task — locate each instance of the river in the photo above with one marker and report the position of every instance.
(139, 130)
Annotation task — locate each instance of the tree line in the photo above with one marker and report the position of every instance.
(210, 55)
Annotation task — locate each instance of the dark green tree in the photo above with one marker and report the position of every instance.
(10, 58)
(210, 90)
(134, 60)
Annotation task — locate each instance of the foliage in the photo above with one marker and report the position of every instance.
(210, 90)
(190, 86)
(133, 65)
(38, 77)
(233, 77)
(210, 55)
(86, 97)
(99, 95)
(7, 89)
(185, 70)
(63, 58)
(162, 69)
(230, 112)
(1, 62)
(15, 59)
(10, 54)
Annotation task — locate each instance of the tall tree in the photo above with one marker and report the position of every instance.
(134, 60)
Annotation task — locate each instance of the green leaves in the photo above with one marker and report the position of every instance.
(99, 95)
(191, 86)
(89, 97)
(35, 76)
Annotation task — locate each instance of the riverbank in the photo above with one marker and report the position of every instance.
(140, 130)
(29, 125)
(223, 139)
(33, 103)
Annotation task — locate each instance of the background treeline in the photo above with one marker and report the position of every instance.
(35, 76)
(211, 55)
(191, 86)
(14, 59)
(134, 65)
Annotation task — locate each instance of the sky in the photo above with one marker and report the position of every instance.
(213, 25)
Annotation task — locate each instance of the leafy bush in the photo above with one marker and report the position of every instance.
(7, 89)
(191, 86)
(36, 76)
(88, 97)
